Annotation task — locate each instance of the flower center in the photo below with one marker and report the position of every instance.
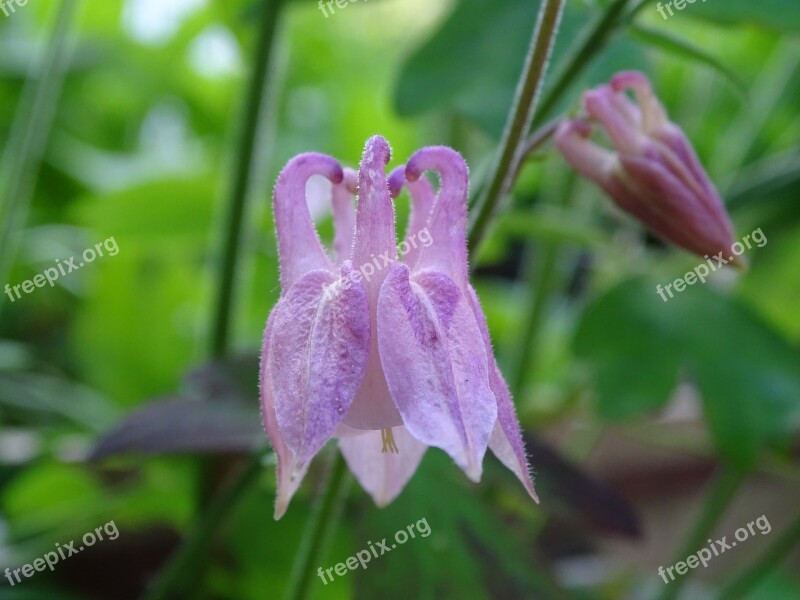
(387, 437)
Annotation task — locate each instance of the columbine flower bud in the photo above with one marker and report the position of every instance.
(654, 173)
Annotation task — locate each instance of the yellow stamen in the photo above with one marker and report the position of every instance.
(387, 437)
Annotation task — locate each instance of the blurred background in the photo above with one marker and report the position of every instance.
(128, 387)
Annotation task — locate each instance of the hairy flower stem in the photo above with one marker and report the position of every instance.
(740, 586)
(29, 134)
(319, 528)
(589, 46)
(520, 117)
(244, 163)
(723, 489)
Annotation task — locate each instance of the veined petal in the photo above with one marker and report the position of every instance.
(344, 214)
(382, 475)
(506, 441)
(318, 350)
(374, 251)
(422, 199)
(448, 219)
(671, 210)
(435, 363)
(299, 246)
(288, 473)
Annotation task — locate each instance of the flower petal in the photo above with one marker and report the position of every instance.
(288, 473)
(319, 346)
(448, 220)
(436, 366)
(671, 209)
(422, 200)
(299, 246)
(344, 215)
(506, 441)
(374, 250)
(586, 157)
(382, 475)
(603, 104)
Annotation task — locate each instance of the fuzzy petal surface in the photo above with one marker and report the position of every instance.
(289, 474)
(318, 351)
(506, 441)
(436, 365)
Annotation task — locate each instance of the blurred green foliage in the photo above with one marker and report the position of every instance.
(141, 150)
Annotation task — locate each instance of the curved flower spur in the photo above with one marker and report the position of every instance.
(654, 173)
(388, 353)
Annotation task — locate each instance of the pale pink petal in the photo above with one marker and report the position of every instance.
(374, 250)
(382, 475)
(288, 473)
(586, 157)
(601, 105)
(506, 441)
(318, 353)
(448, 220)
(436, 365)
(654, 117)
(299, 246)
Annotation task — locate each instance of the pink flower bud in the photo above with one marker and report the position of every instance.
(654, 173)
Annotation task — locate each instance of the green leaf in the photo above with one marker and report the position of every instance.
(464, 69)
(773, 14)
(641, 347)
(681, 47)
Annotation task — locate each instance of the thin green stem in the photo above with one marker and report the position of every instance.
(29, 134)
(186, 560)
(520, 117)
(587, 47)
(319, 529)
(771, 559)
(241, 189)
(724, 487)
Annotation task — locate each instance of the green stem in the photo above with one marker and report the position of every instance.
(775, 554)
(186, 560)
(319, 528)
(244, 161)
(725, 485)
(589, 45)
(29, 134)
(520, 117)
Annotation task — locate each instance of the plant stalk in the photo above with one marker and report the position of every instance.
(520, 117)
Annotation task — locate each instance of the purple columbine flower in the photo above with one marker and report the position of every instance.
(654, 173)
(384, 347)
